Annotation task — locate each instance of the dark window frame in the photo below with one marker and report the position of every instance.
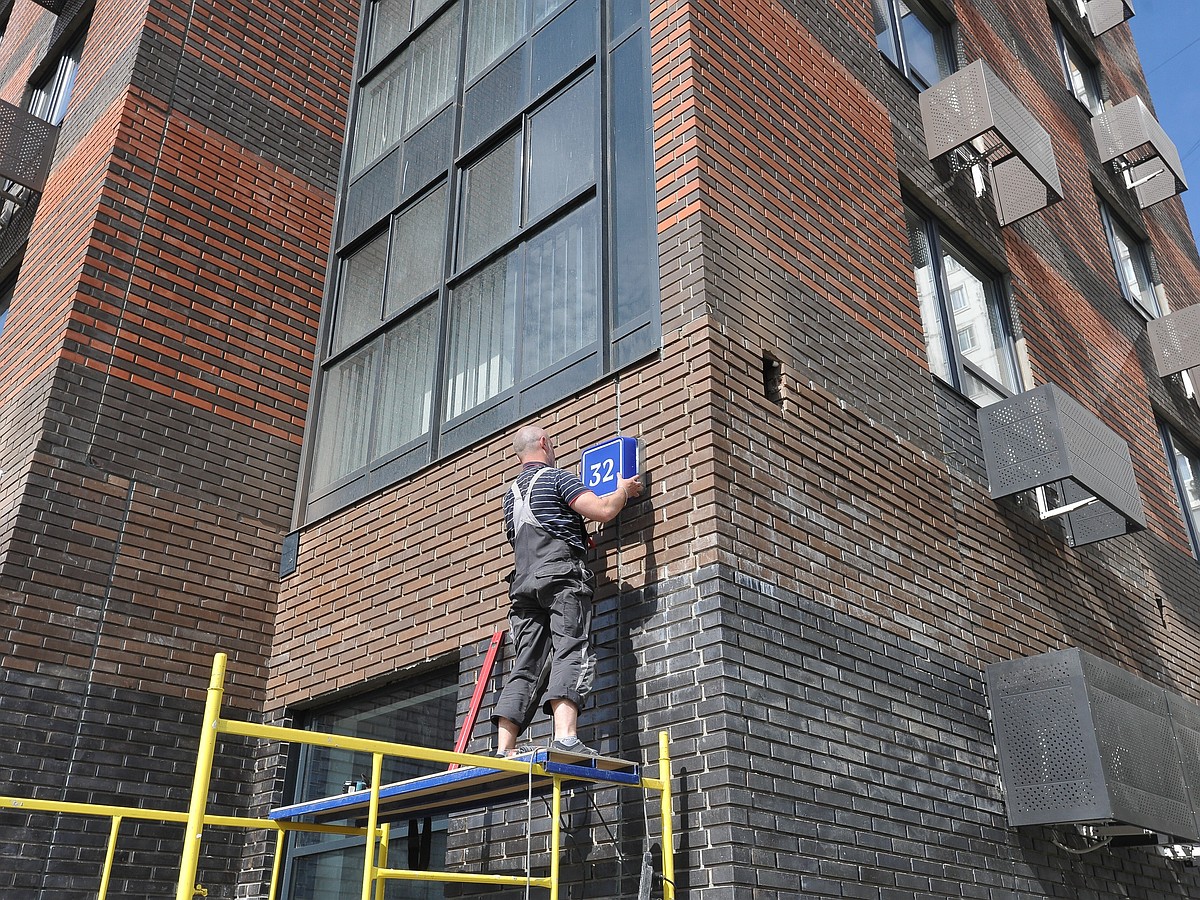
(1141, 255)
(1175, 446)
(995, 287)
(600, 43)
(301, 757)
(1069, 51)
(889, 22)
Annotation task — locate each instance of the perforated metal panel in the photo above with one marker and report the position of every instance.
(973, 103)
(1103, 15)
(1128, 131)
(55, 6)
(26, 147)
(1081, 740)
(1175, 340)
(1044, 436)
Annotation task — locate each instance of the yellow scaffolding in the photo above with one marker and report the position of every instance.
(375, 869)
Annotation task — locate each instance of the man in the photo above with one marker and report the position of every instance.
(551, 590)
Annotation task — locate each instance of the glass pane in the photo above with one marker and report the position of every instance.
(924, 44)
(405, 395)
(544, 9)
(490, 200)
(563, 46)
(1132, 269)
(926, 277)
(623, 14)
(561, 309)
(562, 147)
(434, 66)
(981, 319)
(389, 25)
(52, 96)
(482, 336)
(418, 238)
(885, 34)
(420, 713)
(492, 27)
(344, 423)
(633, 235)
(1187, 471)
(1081, 77)
(380, 114)
(360, 294)
(423, 9)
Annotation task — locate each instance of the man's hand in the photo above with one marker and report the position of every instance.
(605, 509)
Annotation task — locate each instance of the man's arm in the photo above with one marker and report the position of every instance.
(604, 509)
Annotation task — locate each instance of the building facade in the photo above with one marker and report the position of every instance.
(895, 294)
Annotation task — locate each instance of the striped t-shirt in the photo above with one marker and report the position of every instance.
(551, 504)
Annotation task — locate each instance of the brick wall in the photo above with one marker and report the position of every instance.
(808, 596)
(156, 363)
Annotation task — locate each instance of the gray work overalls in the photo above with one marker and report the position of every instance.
(550, 619)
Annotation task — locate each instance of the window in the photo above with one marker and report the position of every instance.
(420, 713)
(915, 39)
(1131, 257)
(7, 287)
(1184, 460)
(961, 300)
(52, 94)
(488, 264)
(1083, 77)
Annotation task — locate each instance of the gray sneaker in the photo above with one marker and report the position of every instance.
(573, 745)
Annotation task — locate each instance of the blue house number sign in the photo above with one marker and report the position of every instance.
(602, 463)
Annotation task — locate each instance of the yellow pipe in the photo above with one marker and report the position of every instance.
(463, 877)
(555, 836)
(369, 869)
(666, 805)
(108, 858)
(385, 834)
(366, 745)
(274, 892)
(23, 804)
(204, 763)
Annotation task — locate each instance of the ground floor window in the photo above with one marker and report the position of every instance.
(421, 712)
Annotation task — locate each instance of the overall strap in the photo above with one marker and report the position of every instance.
(522, 512)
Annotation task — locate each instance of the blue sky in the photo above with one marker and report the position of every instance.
(1167, 33)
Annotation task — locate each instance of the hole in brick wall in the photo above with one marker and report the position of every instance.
(772, 375)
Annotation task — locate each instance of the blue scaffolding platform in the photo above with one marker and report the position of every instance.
(468, 787)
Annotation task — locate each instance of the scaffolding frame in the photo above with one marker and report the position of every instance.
(376, 872)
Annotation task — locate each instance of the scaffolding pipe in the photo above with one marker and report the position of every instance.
(190, 860)
(109, 856)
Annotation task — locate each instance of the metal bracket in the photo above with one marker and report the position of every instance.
(1044, 511)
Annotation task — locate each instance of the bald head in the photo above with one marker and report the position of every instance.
(532, 444)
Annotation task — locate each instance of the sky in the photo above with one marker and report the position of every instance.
(1167, 33)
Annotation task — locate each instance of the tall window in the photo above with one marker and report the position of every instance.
(52, 94)
(487, 264)
(915, 38)
(967, 337)
(1184, 460)
(419, 713)
(1131, 258)
(7, 287)
(1082, 75)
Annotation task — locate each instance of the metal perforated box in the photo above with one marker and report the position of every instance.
(1103, 15)
(1044, 437)
(1083, 741)
(973, 108)
(26, 147)
(1129, 133)
(1175, 340)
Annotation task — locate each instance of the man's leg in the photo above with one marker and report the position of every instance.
(566, 718)
(530, 633)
